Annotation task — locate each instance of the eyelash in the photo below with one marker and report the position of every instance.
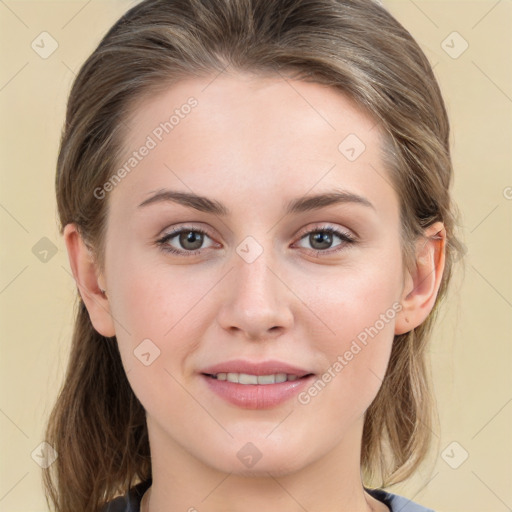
(345, 237)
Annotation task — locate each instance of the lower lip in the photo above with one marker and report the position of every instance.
(257, 396)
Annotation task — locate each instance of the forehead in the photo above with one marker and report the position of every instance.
(253, 135)
(274, 104)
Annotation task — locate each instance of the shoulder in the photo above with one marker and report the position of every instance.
(130, 502)
(397, 503)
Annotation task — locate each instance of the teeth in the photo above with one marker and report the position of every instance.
(266, 379)
(280, 377)
(245, 378)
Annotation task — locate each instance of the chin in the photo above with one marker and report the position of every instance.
(261, 458)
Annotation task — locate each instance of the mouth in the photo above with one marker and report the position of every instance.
(251, 385)
(251, 379)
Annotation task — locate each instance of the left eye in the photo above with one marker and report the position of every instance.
(322, 239)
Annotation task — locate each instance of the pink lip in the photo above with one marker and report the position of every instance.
(256, 396)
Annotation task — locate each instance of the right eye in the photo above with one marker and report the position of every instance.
(189, 239)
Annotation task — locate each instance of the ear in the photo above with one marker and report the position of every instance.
(422, 283)
(89, 281)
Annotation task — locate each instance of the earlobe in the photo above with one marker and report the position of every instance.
(89, 281)
(422, 284)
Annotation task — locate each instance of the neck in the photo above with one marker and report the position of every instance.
(183, 482)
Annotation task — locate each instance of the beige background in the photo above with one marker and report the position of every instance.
(471, 349)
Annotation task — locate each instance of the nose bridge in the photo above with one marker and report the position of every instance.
(256, 281)
(257, 301)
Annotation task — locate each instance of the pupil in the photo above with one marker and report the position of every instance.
(323, 238)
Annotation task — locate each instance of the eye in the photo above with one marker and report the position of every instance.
(189, 240)
(322, 239)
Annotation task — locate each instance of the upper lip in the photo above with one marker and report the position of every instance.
(268, 367)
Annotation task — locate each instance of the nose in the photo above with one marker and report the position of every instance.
(256, 302)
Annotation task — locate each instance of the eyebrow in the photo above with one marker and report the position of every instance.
(299, 205)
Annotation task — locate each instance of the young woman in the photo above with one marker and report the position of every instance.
(254, 196)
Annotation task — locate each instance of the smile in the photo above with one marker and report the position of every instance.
(255, 385)
(246, 378)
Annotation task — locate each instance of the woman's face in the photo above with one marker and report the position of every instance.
(268, 291)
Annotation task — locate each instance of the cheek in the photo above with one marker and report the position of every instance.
(357, 299)
(158, 310)
(359, 307)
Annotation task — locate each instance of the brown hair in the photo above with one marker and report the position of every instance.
(98, 425)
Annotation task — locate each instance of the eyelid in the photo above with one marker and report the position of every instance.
(168, 232)
(327, 227)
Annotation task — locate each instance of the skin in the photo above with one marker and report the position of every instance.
(254, 143)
